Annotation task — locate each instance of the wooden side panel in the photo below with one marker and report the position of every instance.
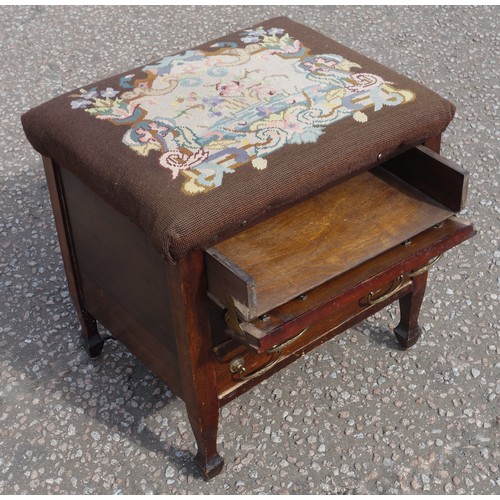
(322, 237)
(116, 260)
(441, 179)
(63, 231)
(92, 340)
(157, 356)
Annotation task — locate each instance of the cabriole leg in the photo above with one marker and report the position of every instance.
(408, 331)
(194, 345)
(205, 424)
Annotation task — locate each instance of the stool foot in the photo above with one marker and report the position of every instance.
(209, 467)
(92, 340)
(408, 332)
(407, 338)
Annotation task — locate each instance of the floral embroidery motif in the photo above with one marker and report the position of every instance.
(209, 112)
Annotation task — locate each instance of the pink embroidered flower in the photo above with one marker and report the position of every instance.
(310, 66)
(293, 126)
(263, 92)
(331, 63)
(229, 89)
(144, 135)
(159, 127)
(320, 65)
(294, 48)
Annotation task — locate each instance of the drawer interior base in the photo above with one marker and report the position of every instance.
(318, 239)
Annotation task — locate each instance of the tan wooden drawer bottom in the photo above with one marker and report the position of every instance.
(332, 232)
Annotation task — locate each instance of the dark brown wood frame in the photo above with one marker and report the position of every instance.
(187, 353)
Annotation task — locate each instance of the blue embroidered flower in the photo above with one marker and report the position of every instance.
(213, 100)
(89, 94)
(224, 44)
(250, 39)
(275, 31)
(217, 71)
(190, 82)
(214, 112)
(264, 110)
(109, 92)
(80, 103)
(254, 36)
(257, 32)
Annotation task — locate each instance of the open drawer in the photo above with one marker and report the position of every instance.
(325, 236)
(356, 293)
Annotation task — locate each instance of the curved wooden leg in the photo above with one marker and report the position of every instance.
(204, 423)
(194, 345)
(408, 331)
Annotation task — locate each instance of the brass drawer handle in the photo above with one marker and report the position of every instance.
(372, 301)
(400, 282)
(237, 365)
(280, 347)
(425, 268)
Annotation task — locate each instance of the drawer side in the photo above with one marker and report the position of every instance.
(437, 177)
(227, 283)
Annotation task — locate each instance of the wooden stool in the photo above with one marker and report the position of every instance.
(224, 210)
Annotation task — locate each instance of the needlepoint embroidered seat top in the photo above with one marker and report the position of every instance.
(194, 145)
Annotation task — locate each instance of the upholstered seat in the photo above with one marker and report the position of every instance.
(197, 144)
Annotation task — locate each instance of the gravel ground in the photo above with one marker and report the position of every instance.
(356, 415)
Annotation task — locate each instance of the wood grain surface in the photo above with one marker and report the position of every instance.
(319, 239)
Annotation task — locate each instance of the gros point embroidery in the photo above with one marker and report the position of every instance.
(209, 112)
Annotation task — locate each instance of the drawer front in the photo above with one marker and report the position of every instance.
(379, 276)
(239, 367)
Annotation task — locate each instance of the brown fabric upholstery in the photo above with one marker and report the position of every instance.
(154, 188)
